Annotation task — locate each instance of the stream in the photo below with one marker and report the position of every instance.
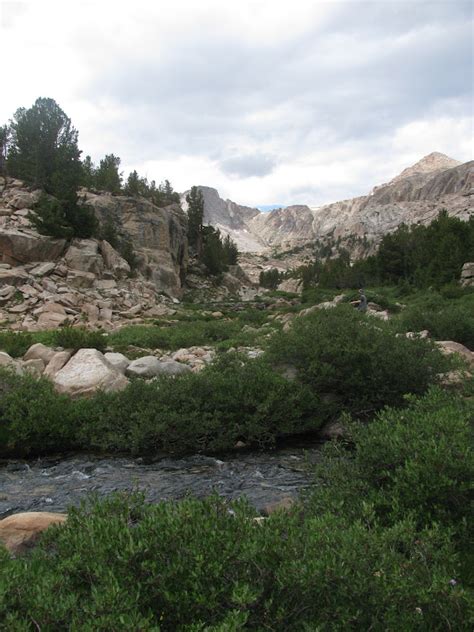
(52, 484)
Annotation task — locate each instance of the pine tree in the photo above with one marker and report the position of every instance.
(88, 173)
(195, 202)
(108, 177)
(231, 252)
(133, 185)
(43, 149)
(213, 251)
(3, 147)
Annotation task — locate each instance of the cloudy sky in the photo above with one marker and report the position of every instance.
(270, 102)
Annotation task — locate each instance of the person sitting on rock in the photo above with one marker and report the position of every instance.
(362, 305)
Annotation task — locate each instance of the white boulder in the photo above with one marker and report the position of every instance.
(88, 372)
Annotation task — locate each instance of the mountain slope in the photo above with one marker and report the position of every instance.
(230, 218)
(417, 194)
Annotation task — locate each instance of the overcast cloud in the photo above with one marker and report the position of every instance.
(268, 101)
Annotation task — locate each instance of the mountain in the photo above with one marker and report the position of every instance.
(429, 164)
(230, 218)
(416, 198)
(417, 194)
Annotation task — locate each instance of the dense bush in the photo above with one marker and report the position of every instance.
(417, 461)
(356, 363)
(233, 399)
(16, 344)
(444, 319)
(79, 338)
(33, 417)
(361, 553)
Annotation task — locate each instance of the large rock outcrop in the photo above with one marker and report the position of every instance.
(24, 246)
(45, 282)
(157, 236)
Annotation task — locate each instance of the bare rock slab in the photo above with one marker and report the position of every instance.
(56, 363)
(39, 351)
(88, 372)
(83, 255)
(19, 532)
(449, 346)
(150, 366)
(118, 360)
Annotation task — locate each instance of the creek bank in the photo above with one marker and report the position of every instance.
(53, 484)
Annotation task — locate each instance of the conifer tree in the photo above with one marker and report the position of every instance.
(195, 202)
(108, 177)
(43, 149)
(3, 148)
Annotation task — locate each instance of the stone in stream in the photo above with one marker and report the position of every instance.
(20, 532)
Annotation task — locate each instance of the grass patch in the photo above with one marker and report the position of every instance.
(183, 334)
(16, 344)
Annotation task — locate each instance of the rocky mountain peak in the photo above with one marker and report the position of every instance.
(436, 161)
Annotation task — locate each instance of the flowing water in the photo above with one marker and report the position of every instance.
(52, 484)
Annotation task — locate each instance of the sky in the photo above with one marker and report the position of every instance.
(270, 102)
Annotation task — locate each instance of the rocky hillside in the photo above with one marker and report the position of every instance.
(47, 282)
(417, 198)
(416, 195)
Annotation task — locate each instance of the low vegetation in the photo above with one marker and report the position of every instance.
(377, 545)
(353, 363)
(343, 363)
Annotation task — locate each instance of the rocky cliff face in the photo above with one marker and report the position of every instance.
(284, 226)
(158, 236)
(416, 195)
(47, 282)
(417, 198)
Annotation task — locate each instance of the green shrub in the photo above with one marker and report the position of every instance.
(445, 320)
(356, 363)
(204, 565)
(182, 334)
(415, 462)
(34, 419)
(16, 344)
(233, 399)
(79, 338)
(455, 291)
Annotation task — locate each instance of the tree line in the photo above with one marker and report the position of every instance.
(40, 146)
(418, 255)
